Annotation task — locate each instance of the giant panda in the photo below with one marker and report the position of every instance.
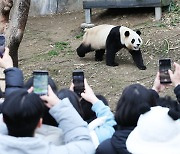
(112, 38)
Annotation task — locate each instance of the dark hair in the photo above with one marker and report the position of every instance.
(47, 118)
(22, 112)
(1, 94)
(82, 106)
(74, 99)
(89, 114)
(51, 82)
(134, 101)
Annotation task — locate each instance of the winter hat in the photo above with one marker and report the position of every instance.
(156, 133)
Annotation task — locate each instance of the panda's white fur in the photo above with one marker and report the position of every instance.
(111, 39)
(97, 36)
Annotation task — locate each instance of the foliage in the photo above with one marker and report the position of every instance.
(80, 35)
(60, 47)
(164, 48)
(53, 53)
(160, 24)
(174, 7)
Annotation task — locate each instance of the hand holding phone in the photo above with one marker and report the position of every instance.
(2, 45)
(88, 94)
(175, 76)
(40, 82)
(164, 66)
(78, 81)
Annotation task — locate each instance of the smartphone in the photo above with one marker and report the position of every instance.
(40, 82)
(2, 45)
(164, 66)
(78, 81)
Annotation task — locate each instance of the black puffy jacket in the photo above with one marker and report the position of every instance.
(13, 79)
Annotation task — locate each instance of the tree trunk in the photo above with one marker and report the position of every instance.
(17, 18)
(5, 7)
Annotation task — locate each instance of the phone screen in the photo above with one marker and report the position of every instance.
(78, 80)
(40, 82)
(164, 66)
(2, 45)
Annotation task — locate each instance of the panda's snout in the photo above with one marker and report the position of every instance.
(137, 47)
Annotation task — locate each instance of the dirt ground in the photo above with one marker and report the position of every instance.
(50, 43)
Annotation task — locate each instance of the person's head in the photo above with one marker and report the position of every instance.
(47, 118)
(134, 101)
(157, 131)
(89, 114)
(22, 113)
(51, 82)
(74, 99)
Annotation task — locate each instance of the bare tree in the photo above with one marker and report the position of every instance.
(13, 19)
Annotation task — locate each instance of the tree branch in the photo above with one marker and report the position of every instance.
(5, 7)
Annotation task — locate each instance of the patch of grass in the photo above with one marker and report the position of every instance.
(160, 24)
(53, 53)
(69, 52)
(61, 45)
(80, 35)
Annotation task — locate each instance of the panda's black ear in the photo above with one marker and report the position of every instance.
(127, 33)
(138, 32)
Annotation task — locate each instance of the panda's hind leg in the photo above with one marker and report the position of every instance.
(99, 54)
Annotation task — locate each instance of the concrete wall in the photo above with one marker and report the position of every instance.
(43, 7)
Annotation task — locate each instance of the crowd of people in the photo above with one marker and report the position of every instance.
(62, 122)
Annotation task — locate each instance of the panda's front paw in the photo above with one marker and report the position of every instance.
(142, 67)
(99, 59)
(113, 64)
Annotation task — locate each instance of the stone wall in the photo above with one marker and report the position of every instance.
(43, 7)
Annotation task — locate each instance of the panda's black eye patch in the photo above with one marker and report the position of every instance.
(139, 40)
(132, 41)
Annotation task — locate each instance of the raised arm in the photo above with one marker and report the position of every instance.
(175, 78)
(13, 76)
(105, 130)
(76, 132)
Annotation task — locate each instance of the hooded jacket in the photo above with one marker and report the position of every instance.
(117, 144)
(76, 136)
